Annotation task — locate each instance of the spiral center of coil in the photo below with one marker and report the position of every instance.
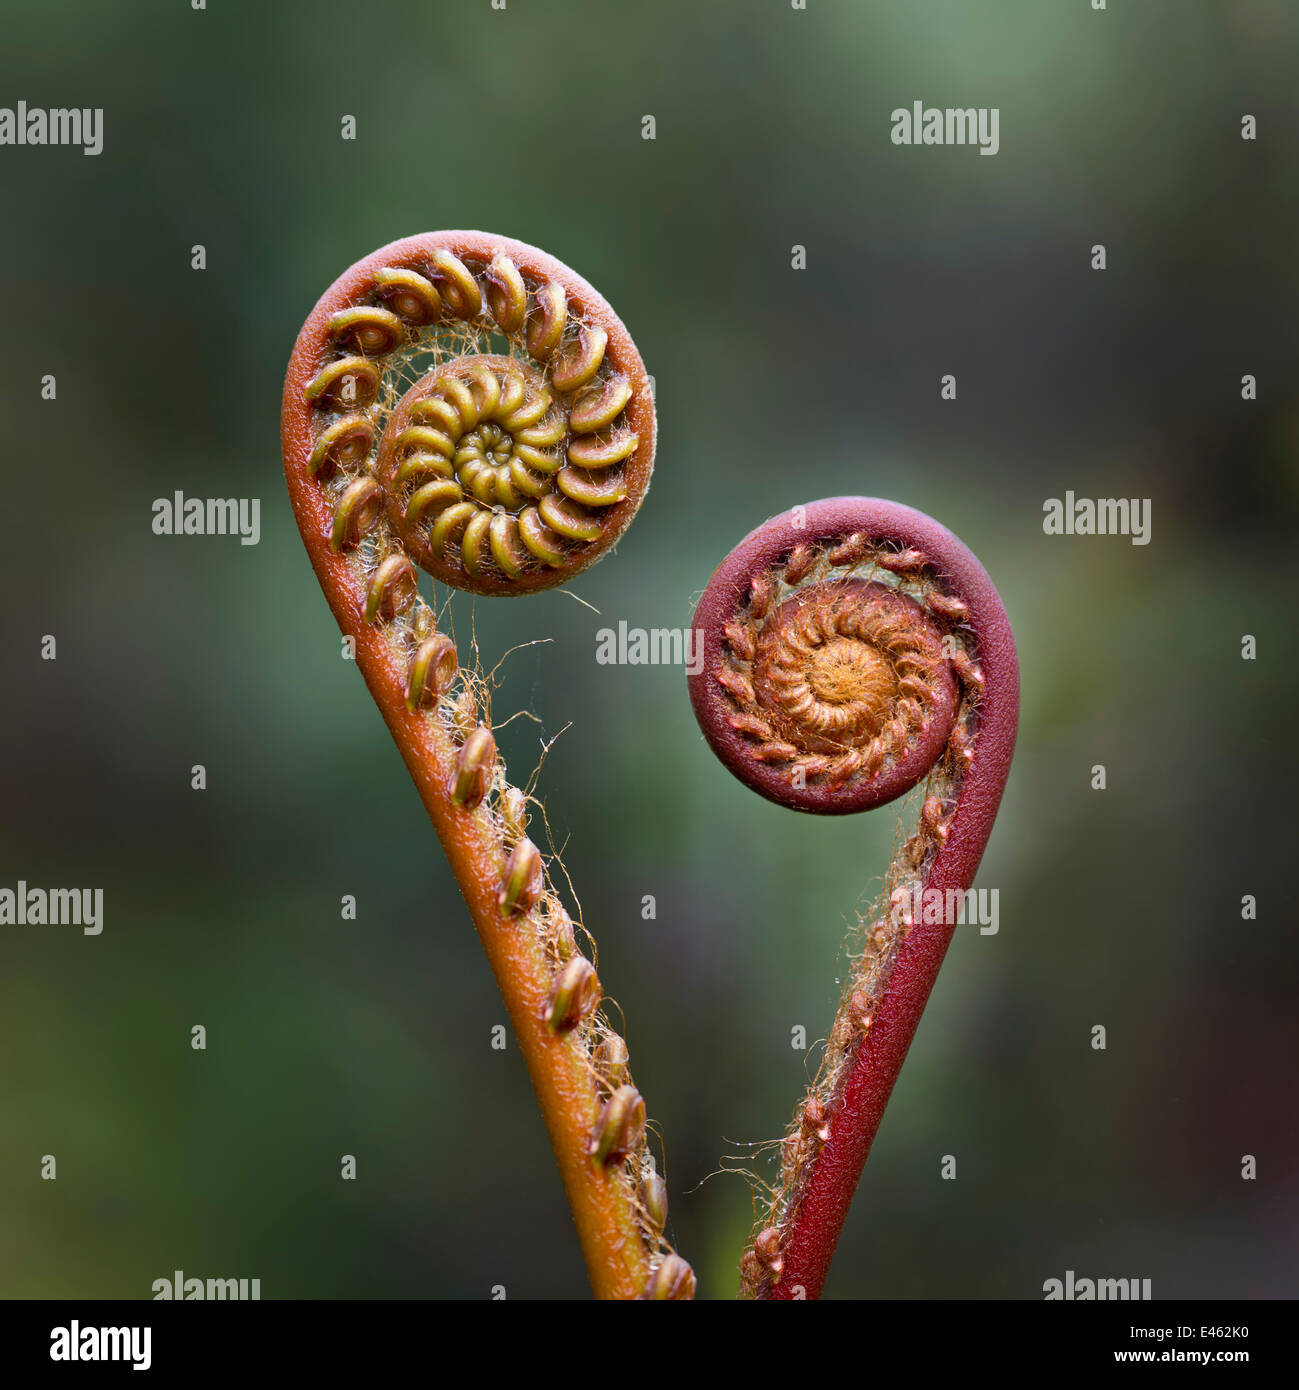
(488, 426)
(849, 672)
(488, 446)
(842, 668)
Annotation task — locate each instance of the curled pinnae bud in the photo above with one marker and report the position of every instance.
(411, 295)
(850, 551)
(620, 1126)
(861, 1011)
(565, 519)
(432, 671)
(672, 1281)
(344, 444)
(611, 1058)
(392, 589)
(762, 593)
(816, 1120)
(960, 745)
(343, 385)
(602, 450)
(740, 685)
(561, 924)
(800, 560)
(947, 607)
(580, 360)
(741, 642)
(423, 623)
(474, 764)
(514, 812)
(967, 670)
(367, 329)
(357, 512)
(916, 850)
(464, 713)
(653, 1193)
(752, 1272)
(507, 295)
(599, 405)
(575, 993)
(766, 1246)
(545, 323)
(902, 561)
(933, 818)
(457, 285)
(524, 880)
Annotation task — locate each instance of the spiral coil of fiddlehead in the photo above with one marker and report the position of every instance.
(482, 402)
(467, 405)
(847, 672)
(844, 669)
(858, 663)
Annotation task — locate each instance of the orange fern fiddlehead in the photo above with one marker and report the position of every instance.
(487, 399)
(467, 405)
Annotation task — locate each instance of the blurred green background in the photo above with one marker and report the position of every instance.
(775, 387)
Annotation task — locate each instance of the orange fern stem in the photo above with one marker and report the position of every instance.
(466, 404)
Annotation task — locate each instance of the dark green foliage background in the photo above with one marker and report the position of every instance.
(1120, 908)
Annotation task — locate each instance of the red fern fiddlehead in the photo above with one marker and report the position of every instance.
(854, 648)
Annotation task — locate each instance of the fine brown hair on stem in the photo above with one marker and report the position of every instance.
(466, 404)
(854, 650)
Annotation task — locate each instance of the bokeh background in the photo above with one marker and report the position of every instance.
(372, 1037)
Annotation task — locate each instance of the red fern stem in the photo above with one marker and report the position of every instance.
(854, 648)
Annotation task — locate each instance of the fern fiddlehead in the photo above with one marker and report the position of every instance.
(853, 650)
(465, 404)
